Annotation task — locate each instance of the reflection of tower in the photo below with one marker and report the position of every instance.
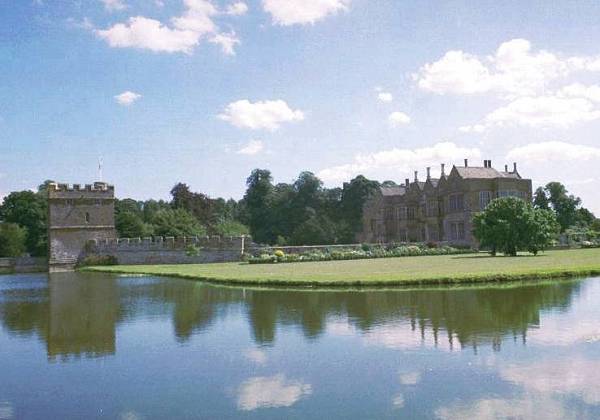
(82, 315)
(75, 216)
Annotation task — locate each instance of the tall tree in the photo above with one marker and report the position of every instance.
(555, 195)
(12, 240)
(257, 200)
(354, 195)
(28, 210)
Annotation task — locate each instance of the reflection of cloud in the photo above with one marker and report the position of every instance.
(257, 356)
(571, 376)
(411, 378)
(564, 332)
(340, 327)
(130, 415)
(398, 401)
(271, 391)
(402, 337)
(496, 408)
(6, 410)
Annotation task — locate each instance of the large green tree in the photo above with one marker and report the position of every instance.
(257, 201)
(30, 211)
(510, 224)
(12, 240)
(556, 197)
(176, 222)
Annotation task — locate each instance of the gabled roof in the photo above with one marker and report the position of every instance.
(389, 191)
(434, 181)
(479, 172)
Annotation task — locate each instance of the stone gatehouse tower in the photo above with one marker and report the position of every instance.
(77, 215)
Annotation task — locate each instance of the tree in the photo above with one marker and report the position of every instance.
(510, 224)
(555, 195)
(317, 230)
(131, 225)
(12, 240)
(176, 222)
(354, 195)
(257, 201)
(28, 210)
(229, 227)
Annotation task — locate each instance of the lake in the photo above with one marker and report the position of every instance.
(83, 345)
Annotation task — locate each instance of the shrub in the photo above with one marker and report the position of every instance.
(12, 240)
(279, 253)
(99, 260)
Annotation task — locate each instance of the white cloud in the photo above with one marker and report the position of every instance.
(456, 72)
(114, 5)
(271, 391)
(127, 98)
(184, 34)
(578, 90)
(291, 12)
(227, 41)
(514, 69)
(544, 111)
(553, 151)
(252, 148)
(477, 128)
(237, 9)
(197, 17)
(388, 164)
(385, 97)
(144, 33)
(398, 118)
(267, 115)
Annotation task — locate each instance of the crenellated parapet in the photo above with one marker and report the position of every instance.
(166, 243)
(97, 190)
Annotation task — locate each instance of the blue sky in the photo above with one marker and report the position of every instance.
(203, 92)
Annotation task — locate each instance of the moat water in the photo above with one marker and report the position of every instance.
(101, 346)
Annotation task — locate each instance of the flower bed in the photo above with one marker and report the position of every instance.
(366, 252)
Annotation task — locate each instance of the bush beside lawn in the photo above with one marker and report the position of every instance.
(366, 252)
(440, 269)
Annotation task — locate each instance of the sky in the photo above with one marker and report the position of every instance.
(202, 92)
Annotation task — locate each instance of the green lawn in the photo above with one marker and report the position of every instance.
(442, 269)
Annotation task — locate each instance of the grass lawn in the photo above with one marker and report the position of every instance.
(443, 269)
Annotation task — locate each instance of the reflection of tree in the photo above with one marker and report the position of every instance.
(471, 315)
(77, 313)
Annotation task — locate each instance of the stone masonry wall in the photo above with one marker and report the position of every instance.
(170, 250)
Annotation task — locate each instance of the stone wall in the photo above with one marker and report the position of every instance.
(170, 250)
(24, 264)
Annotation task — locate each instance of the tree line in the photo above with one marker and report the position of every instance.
(302, 212)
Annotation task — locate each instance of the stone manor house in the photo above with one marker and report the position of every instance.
(439, 210)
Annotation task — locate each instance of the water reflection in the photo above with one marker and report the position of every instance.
(147, 347)
(77, 314)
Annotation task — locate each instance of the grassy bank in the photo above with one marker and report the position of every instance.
(444, 269)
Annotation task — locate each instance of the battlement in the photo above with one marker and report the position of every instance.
(95, 187)
(78, 191)
(158, 243)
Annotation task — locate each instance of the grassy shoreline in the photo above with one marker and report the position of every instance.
(387, 272)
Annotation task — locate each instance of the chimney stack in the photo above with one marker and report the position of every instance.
(489, 163)
(466, 163)
(416, 176)
(515, 167)
(443, 169)
(506, 168)
(428, 172)
(407, 182)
